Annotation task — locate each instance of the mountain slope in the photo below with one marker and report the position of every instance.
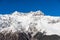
(30, 22)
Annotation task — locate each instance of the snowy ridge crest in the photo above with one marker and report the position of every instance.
(30, 22)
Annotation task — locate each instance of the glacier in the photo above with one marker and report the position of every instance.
(32, 22)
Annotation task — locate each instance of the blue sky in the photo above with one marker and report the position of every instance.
(49, 7)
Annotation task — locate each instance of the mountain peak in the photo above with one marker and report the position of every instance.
(37, 13)
(16, 13)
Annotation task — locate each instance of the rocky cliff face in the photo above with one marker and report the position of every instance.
(27, 24)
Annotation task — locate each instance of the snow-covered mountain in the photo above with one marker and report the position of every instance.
(30, 22)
